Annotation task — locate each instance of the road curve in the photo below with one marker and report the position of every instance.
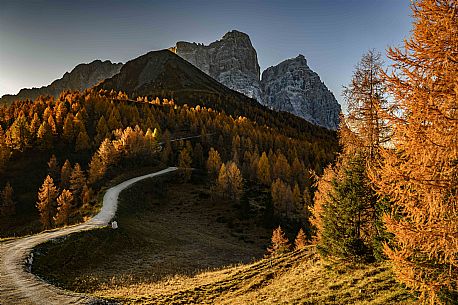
(17, 286)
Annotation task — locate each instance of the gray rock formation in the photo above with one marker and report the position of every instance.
(83, 76)
(292, 86)
(232, 61)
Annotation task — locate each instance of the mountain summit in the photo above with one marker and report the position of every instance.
(232, 61)
(291, 86)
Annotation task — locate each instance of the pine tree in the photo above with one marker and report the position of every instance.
(279, 243)
(264, 169)
(184, 164)
(64, 205)
(348, 216)
(46, 203)
(419, 172)
(301, 240)
(7, 206)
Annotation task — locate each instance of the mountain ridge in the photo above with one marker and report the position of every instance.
(82, 76)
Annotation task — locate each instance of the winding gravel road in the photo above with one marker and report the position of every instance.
(17, 286)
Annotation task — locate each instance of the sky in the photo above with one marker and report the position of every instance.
(41, 40)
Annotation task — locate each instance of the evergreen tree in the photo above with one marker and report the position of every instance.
(46, 203)
(348, 221)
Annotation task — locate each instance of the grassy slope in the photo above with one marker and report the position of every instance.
(175, 245)
(300, 277)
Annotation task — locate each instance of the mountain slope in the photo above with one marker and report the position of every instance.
(232, 61)
(167, 75)
(83, 76)
(292, 86)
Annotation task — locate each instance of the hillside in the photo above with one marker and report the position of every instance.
(83, 76)
(167, 75)
(164, 253)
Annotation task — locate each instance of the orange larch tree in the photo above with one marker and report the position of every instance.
(419, 171)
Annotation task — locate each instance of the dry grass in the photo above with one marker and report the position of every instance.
(295, 278)
(177, 245)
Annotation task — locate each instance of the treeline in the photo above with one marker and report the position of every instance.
(393, 191)
(105, 133)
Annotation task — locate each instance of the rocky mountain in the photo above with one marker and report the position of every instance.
(162, 73)
(290, 86)
(293, 87)
(167, 75)
(83, 76)
(232, 61)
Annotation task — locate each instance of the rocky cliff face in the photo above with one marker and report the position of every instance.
(232, 61)
(83, 76)
(292, 86)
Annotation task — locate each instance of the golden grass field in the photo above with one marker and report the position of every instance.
(176, 244)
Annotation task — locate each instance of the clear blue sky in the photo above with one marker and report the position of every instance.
(41, 40)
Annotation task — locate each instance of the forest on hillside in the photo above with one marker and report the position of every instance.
(385, 188)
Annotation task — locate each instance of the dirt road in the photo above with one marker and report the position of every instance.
(17, 286)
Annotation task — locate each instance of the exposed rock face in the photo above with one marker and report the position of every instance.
(83, 76)
(232, 61)
(292, 86)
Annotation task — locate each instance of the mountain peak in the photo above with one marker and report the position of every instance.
(235, 34)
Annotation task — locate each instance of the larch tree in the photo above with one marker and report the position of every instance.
(234, 180)
(301, 240)
(184, 164)
(46, 203)
(64, 206)
(53, 167)
(279, 242)
(83, 142)
(264, 169)
(77, 183)
(419, 172)
(65, 174)
(213, 162)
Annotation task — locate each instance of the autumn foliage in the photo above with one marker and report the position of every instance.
(420, 172)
